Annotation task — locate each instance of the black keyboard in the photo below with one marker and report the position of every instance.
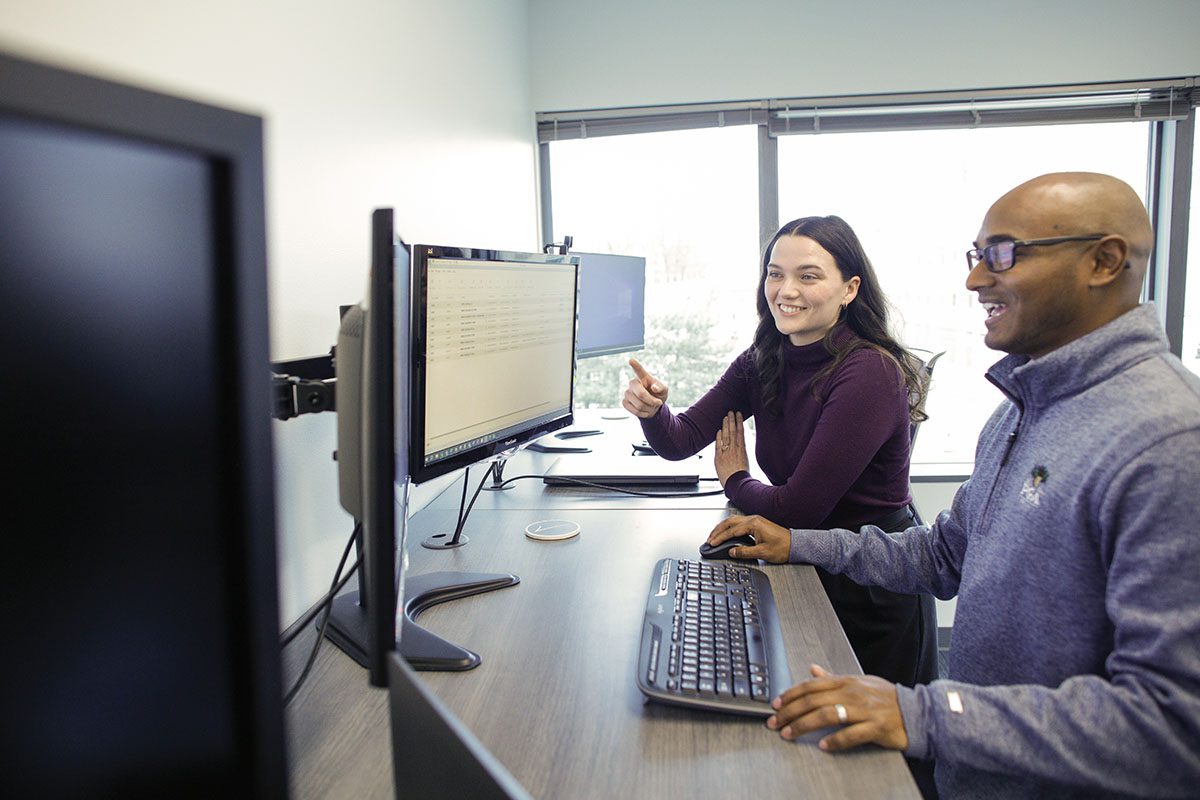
(711, 638)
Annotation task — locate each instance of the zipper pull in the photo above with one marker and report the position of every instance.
(1008, 446)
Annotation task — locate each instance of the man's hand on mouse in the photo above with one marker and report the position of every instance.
(645, 394)
(773, 541)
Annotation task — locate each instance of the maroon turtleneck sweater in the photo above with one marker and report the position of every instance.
(838, 462)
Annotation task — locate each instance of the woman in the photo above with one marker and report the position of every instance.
(834, 397)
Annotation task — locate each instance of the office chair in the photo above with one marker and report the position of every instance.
(928, 365)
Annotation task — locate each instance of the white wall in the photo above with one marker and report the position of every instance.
(423, 106)
(616, 53)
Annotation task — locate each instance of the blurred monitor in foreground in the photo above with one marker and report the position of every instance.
(142, 646)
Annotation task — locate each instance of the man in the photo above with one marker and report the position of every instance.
(1073, 549)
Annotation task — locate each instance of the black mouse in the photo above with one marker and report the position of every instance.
(722, 550)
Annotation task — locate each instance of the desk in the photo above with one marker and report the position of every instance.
(554, 699)
(531, 493)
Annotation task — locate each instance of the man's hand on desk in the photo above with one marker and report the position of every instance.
(863, 707)
(772, 542)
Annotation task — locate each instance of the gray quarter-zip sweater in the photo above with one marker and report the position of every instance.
(1074, 550)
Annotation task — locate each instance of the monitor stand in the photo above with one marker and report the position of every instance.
(421, 649)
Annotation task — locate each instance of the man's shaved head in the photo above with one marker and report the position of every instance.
(1068, 203)
(1058, 291)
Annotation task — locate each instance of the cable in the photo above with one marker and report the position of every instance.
(312, 656)
(335, 586)
(619, 489)
(462, 502)
(462, 516)
(302, 623)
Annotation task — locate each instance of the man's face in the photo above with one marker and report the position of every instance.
(1042, 302)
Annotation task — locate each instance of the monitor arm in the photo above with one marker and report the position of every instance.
(302, 386)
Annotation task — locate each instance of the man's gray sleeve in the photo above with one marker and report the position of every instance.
(920, 560)
(1135, 729)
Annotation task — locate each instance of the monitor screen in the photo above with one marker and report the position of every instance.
(612, 304)
(143, 617)
(493, 361)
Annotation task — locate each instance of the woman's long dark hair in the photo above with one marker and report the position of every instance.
(866, 317)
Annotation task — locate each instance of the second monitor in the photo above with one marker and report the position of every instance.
(612, 304)
(493, 353)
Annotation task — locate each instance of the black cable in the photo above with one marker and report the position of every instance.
(334, 587)
(462, 517)
(312, 656)
(300, 624)
(462, 502)
(491, 470)
(620, 489)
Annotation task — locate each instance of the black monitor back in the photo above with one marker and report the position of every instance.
(434, 755)
(142, 650)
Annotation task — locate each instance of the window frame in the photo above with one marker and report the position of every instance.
(1168, 103)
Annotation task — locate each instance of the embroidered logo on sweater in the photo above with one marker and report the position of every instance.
(1031, 492)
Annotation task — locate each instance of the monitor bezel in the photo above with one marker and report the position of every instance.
(420, 255)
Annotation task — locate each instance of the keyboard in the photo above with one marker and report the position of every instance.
(711, 638)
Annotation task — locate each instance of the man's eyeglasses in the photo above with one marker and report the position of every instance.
(1001, 256)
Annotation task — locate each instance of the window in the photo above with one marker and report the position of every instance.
(688, 202)
(916, 200)
(1191, 310)
(695, 188)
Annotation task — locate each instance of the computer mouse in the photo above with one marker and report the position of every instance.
(722, 550)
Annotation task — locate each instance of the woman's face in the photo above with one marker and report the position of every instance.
(804, 289)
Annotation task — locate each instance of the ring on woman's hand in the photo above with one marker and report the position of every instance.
(841, 713)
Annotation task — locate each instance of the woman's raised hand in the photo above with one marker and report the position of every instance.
(645, 393)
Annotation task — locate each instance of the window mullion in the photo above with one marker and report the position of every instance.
(768, 186)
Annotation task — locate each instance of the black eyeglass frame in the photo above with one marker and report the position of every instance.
(988, 255)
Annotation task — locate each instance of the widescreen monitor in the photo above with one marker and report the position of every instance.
(612, 304)
(493, 347)
(374, 394)
(141, 642)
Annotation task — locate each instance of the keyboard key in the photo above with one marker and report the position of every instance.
(755, 651)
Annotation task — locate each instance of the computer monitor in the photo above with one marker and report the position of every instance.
(612, 304)
(492, 353)
(373, 366)
(142, 625)
(433, 753)
(372, 452)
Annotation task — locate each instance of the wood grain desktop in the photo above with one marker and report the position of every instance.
(554, 699)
